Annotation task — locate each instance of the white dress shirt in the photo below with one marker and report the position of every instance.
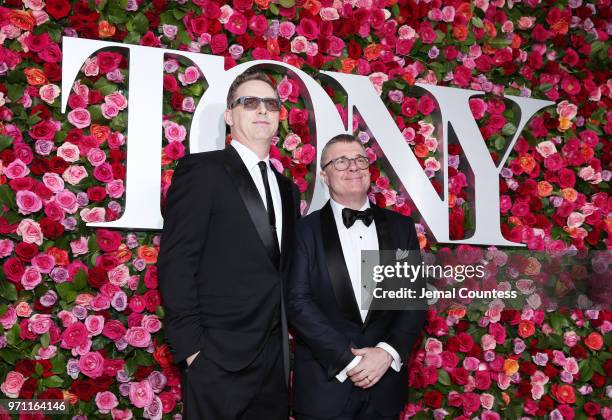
(353, 240)
(250, 160)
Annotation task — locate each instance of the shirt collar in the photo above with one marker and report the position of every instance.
(337, 207)
(248, 156)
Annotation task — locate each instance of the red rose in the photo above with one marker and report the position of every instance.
(112, 366)
(308, 28)
(594, 341)
(58, 8)
(211, 10)
(564, 393)
(21, 184)
(95, 97)
(163, 356)
(43, 130)
(96, 193)
(26, 251)
(168, 402)
(29, 388)
(218, 43)
(150, 277)
(482, 380)
(199, 25)
(13, 269)
(39, 166)
(108, 240)
(51, 229)
(433, 398)
(85, 389)
(42, 111)
(462, 76)
(459, 376)
(149, 40)
(52, 71)
(298, 116)
(152, 300)
(96, 277)
(58, 165)
(591, 408)
(170, 83)
(243, 5)
(113, 329)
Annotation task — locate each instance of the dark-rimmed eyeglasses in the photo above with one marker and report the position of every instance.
(342, 163)
(251, 103)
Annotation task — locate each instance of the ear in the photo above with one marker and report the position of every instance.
(324, 177)
(227, 116)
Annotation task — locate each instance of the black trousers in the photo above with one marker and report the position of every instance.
(258, 392)
(358, 407)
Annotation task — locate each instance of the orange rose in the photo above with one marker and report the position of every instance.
(422, 241)
(516, 41)
(527, 163)
(283, 114)
(313, 6)
(533, 267)
(148, 254)
(594, 341)
(515, 221)
(60, 255)
(123, 253)
(526, 328)
(72, 398)
(35, 77)
(564, 393)
(564, 123)
(569, 194)
(421, 150)
(544, 188)
(457, 312)
(490, 29)
(465, 10)
(165, 160)
(263, 4)
(348, 64)
(451, 200)
(22, 19)
(105, 29)
(408, 78)
(100, 132)
(460, 32)
(505, 397)
(272, 46)
(372, 52)
(511, 366)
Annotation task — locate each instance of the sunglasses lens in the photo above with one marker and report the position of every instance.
(271, 104)
(251, 102)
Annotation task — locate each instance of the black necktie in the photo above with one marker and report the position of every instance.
(349, 216)
(270, 205)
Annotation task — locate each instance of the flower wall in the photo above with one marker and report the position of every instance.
(80, 314)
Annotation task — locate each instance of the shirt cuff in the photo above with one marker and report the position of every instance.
(396, 364)
(343, 374)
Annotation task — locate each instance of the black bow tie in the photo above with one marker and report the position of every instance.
(349, 216)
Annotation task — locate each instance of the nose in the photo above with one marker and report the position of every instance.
(261, 108)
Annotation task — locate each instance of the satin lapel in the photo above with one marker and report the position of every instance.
(385, 242)
(243, 181)
(336, 266)
(284, 186)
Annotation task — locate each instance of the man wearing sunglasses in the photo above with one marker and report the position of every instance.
(225, 247)
(350, 363)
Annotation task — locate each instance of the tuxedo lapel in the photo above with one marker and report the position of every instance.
(385, 243)
(284, 186)
(243, 181)
(336, 266)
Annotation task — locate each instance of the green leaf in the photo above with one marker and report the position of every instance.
(586, 371)
(477, 22)
(53, 381)
(80, 280)
(132, 38)
(3, 309)
(58, 363)
(5, 141)
(64, 289)
(499, 43)
(8, 290)
(141, 23)
(443, 377)
(45, 339)
(15, 91)
(11, 356)
(499, 143)
(508, 129)
(287, 3)
(38, 369)
(12, 336)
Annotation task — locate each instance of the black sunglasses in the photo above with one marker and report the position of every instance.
(251, 103)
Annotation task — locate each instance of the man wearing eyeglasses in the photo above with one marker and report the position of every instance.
(225, 247)
(350, 363)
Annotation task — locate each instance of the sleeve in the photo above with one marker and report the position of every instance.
(186, 219)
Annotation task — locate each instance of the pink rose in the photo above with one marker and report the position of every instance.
(292, 140)
(96, 156)
(40, 323)
(119, 275)
(53, 181)
(190, 76)
(79, 246)
(237, 23)
(487, 400)
(6, 247)
(106, 401)
(151, 323)
(67, 201)
(575, 220)
(174, 131)
(471, 363)
(74, 174)
(30, 232)
(488, 342)
(284, 89)
(44, 263)
(115, 140)
(138, 337)
(9, 318)
(92, 364)
(117, 99)
(31, 278)
(305, 154)
(95, 214)
(299, 45)
(546, 148)
(79, 117)
(115, 188)
(482, 380)
(94, 324)
(109, 110)
(478, 107)
(335, 46)
(12, 384)
(16, 169)
(22, 310)
(433, 345)
(329, 13)
(48, 93)
(141, 393)
(28, 202)
(286, 29)
(103, 172)
(69, 152)
(570, 338)
(90, 68)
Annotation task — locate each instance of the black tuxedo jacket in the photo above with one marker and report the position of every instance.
(221, 290)
(322, 308)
